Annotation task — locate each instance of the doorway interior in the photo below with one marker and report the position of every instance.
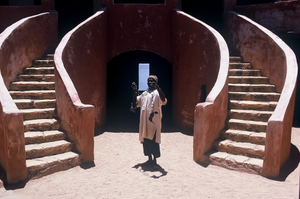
(121, 72)
(71, 13)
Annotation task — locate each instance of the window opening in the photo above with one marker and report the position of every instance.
(144, 71)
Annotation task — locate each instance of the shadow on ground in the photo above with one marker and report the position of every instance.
(290, 165)
(87, 165)
(153, 169)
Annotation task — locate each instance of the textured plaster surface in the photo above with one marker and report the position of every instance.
(280, 16)
(73, 55)
(85, 60)
(12, 14)
(206, 127)
(196, 62)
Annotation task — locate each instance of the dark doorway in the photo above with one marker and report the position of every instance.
(139, 1)
(210, 12)
(4, 3)
(121, 72)
(71, 13)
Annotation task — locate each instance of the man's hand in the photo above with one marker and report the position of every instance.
(132, 108)
(151, 116)
(156, 86)
(134, 95)
(134, 86)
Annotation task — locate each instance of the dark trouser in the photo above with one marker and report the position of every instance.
(151, 147)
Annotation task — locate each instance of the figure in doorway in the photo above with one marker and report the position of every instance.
(150, 102)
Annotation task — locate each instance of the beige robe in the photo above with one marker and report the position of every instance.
(150, 102)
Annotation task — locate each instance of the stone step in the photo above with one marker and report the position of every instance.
(236, 162)
(41, 125)
(252, 105)
(49, 56)
(244, 136)
(43, 62)
(30, 103)
(40, 167)
(239, 65)
(254, 96)
(244, 72)
(39, 70)
(47, 148)
(240, 148)
(251, 88)
(32, 85)
(247, 125)
(34, 137)
(235, 59)
(250, 115)
(38, 77)
(41, 94)
(248, 79)
(32, 114)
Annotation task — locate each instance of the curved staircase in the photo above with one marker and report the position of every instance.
(47, 147)
(252, 101)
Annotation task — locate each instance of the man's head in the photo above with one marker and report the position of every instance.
(152, 80)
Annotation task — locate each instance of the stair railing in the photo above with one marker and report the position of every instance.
(268, 52)
(210, 116)
(20, 43)
(77, 119)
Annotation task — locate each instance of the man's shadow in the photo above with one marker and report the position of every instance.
(145, 167)
(290, 165)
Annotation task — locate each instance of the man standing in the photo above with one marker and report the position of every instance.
(150, 102)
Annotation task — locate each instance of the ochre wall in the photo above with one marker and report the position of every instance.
(11, 14)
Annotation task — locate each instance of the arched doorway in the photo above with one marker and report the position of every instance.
(121, 72)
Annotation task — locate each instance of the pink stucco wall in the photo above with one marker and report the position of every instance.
(11, 14)
(279, 16)
(201, 58)
(143, 27)
(269, 53)
(182, 40)
(247, 40)
(20, 43)
(85, 59)
(80, 61)
(196, 62)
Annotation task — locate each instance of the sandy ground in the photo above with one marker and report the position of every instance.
(116, 173)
